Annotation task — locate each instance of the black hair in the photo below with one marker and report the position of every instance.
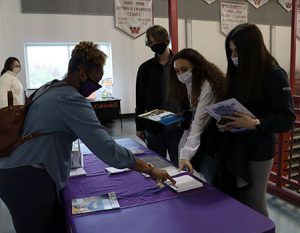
(8, 64)
(254, 63)
(88, 54)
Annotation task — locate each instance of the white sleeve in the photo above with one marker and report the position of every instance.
(18, 92)
(198, 124)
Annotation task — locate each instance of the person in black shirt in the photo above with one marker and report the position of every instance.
(152, 93)
(257, 81)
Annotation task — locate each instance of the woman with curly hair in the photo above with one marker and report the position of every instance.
(193, 76)
(34, 173)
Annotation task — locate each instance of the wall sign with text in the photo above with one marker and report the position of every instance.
(233, 14)
(133, 17)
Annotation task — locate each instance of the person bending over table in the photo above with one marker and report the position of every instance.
(32, 176)
(192, 76)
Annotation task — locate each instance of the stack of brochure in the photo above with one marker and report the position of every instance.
(184, 183)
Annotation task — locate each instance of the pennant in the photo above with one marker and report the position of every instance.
(258, 3)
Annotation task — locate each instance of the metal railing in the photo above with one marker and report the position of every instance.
(284, 180)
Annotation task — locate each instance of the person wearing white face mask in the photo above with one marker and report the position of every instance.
(193, 76)
(10, 82)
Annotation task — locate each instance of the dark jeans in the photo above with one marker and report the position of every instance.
(30, 195)
(165, 141)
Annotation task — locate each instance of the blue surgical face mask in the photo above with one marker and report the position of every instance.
(235, 61)
(88, 87)
(185, 77)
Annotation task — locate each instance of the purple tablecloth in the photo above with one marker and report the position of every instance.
(144, 208)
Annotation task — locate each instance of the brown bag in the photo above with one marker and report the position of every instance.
(12, 120)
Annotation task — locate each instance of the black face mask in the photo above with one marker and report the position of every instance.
(88, 87)
(159, 48)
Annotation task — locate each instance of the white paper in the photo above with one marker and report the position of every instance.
(184, 183)
(77, 172)
(113, 170)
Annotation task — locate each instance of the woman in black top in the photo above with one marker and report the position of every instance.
(257, 81)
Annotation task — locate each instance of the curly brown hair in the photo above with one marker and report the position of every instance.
(202, 70)
(86, 53)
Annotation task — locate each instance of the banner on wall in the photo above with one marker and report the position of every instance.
(286, 4)
(133, 16)
(209, 1)
(258, 3)
(232, 14)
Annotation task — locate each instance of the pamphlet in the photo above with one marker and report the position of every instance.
(227, 107)
(184, 183)
(95, 203)
(113, 170)
(162, 117)
(77, 172)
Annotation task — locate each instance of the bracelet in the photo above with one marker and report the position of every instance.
(257, 124)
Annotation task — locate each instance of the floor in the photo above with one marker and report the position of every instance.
(285, 216)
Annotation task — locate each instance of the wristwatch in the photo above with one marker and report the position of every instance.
(257, 124)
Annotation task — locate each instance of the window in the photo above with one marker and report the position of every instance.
(45, 62)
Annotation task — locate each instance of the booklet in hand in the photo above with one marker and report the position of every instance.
(162, 117)
(95, 203)
(227, 108)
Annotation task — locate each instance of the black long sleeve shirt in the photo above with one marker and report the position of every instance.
(152, 91)
(276, 116)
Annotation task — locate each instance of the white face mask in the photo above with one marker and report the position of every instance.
(16, 70)
(185, 77)
(235, 61)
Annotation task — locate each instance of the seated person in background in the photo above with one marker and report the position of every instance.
(193, 76)
(10, 82)
(32, 176)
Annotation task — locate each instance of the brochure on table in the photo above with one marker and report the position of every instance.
(227, 107)
(95, 203)
(162, 117)
(184, 183)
